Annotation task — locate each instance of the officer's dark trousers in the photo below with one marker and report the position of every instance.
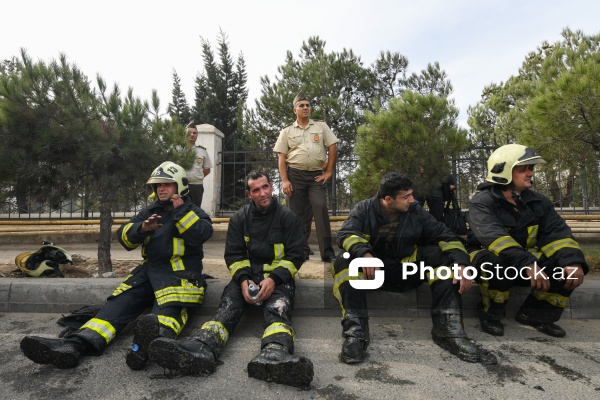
(309, 193)
(277, 322)
(446, 301)
(495, 284)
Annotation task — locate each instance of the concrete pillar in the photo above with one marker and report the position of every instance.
(212, 139)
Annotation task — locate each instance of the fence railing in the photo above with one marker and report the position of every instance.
(468, 174)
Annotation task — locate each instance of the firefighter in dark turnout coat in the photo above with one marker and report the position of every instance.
(168, 280)
(264, 248)
(391, 227)
(525, 242)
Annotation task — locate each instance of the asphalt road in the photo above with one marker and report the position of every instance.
(403, 363)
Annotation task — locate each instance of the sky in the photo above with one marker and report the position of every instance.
(139, 44)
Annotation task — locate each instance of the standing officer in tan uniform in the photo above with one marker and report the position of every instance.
(201, 167)
(307, 154)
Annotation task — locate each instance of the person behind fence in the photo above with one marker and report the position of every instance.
(168, 280)
(264, 248)
(394, 229)
(440, 195)
(519, 239)
(307, 154)
(201, 167)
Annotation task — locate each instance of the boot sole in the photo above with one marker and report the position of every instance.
(144, 333)
(41, 354)
(293, 373)
(472, 358)
(525, 321)
(167, 354)
(349, 360)
(499, 332)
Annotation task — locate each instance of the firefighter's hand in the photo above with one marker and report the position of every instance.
(539, 279)
(176, 200)
(286, 188)
(245, 292)
(574, 276)
(465, 283)
(369, 272)
(266, 289)
(151, 224)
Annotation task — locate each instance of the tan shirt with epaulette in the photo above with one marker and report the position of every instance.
(196, 173)
(305, 147)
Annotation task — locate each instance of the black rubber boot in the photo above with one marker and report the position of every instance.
(448, 333)
(550, 328)
(187, 356)
(356, 334)
(495, 328)
(144, 333)
(276, 364)
(353, 350)
(62, 353)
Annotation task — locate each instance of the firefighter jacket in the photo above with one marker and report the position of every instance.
(172, 255)
(264, 244)
(521, 234)
(359, 234)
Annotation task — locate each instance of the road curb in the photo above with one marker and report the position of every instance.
(313, 297)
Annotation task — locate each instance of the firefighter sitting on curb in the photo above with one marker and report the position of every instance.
(395, 229)
(519, 229)
(169, 279)
(264, 247)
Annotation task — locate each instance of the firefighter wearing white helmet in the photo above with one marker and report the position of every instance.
(170, 232)
(513, 227)
(502, 161)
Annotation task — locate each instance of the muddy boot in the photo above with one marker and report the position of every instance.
(492, 327)
(62, 353)
(144, 333)
(448, 333)
(550, 328)
(356, 334)
(276, 364)
(188, 356)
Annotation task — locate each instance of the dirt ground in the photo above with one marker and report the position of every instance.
(87, 267)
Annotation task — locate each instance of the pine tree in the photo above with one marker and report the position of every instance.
(179, 108)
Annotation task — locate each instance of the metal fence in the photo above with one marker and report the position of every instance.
(468, 173)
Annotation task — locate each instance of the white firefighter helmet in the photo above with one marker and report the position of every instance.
(168, 172)
(505, 158)
(47, 260)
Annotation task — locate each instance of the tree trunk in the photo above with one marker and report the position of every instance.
(106, 222)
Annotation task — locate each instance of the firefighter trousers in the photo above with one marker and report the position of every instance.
(277, 318)
(496, 279)
(126, 303)
(446, 301)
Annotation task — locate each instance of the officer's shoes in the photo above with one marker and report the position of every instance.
(550, 329)
(144, 333)
(353, 350)
(276, 364)
(465, 349)
(495, 328)
(62, 353)
(187, 356)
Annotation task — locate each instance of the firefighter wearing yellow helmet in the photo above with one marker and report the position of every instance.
(513, 228)
(170, 232)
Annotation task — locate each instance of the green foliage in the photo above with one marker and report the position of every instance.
(221, 88)
(62, 139)
(339, 88)
(179, 108)
(410, 135)
(552, 106)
